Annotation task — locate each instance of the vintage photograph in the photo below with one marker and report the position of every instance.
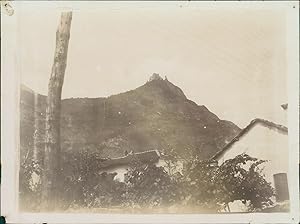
(152, 109)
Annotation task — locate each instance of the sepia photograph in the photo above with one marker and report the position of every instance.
(165, 108)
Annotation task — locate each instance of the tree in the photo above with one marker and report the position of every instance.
(149, 186)
(200, 185)
(214, 187)
(241, 178)
(51, 167)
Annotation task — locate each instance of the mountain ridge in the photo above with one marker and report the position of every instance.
(156, 115)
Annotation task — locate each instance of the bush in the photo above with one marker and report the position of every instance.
(30, 187)
(242, 179)
(202, 184)
(149, 186)
(83, 182)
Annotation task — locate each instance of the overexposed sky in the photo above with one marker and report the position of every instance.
(232, 61)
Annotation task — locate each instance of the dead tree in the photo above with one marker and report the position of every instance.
(52, 167)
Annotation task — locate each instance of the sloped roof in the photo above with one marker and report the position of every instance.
(280, 128)
(144, 157)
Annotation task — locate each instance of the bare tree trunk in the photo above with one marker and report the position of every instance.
(52, 167)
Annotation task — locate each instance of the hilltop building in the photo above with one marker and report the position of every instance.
(155, 76)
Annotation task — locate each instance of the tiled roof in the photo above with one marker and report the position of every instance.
(143, 157)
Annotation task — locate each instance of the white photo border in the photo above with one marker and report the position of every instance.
(10, 80)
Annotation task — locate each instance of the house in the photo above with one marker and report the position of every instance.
(120, 165)
(265, 140)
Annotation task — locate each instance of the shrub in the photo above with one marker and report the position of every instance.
(149, 186)
(242, 179)
(30, 187)
(202, 184)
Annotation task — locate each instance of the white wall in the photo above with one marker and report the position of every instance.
(263, 143)
(122, 170)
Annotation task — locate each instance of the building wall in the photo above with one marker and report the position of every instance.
(122, 170)
(263, 143)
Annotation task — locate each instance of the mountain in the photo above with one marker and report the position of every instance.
(156, 115)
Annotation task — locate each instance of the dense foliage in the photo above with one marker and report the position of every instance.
(199, 184)
(30, 190)
(149, 186)
(241, 179)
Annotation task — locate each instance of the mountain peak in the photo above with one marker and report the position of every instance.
(163, 87)
(155, 76)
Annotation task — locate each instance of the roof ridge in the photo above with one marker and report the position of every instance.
(145, 157)
(245, 130)
(136, 153)
(270, 123)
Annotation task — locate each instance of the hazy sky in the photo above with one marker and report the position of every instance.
(231, 61)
